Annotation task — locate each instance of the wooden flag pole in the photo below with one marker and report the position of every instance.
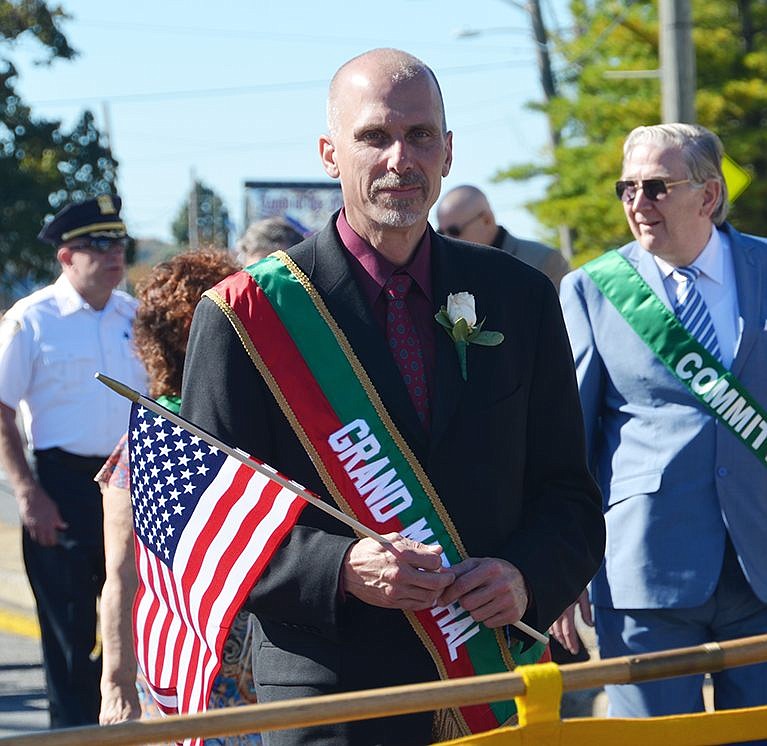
(401, 700)
(288, 484)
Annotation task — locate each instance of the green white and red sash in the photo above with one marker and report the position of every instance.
(363, 460)
(721, 393)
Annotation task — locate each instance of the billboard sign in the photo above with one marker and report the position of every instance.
(306, 204)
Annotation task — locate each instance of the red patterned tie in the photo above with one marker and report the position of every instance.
(405, 344)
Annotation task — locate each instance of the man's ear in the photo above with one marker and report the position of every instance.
(64, 255)
(328, 157)
(448, 154)
(711, 193)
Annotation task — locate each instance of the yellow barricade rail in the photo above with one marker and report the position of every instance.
(537, 689)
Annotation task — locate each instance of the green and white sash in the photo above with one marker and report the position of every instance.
(723, 396)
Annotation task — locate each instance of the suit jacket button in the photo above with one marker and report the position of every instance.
(722, 471)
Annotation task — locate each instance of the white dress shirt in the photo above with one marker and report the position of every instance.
(716, 283)
(51, 344)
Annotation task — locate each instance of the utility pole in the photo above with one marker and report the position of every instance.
(194, 228)
(549, 86)
(677, 61)
(106, 132)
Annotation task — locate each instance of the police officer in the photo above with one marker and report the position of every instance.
(51, 344)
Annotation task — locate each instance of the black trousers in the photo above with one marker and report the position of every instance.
(66, 580)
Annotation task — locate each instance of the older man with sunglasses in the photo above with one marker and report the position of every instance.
(51, 344)
(670, 343)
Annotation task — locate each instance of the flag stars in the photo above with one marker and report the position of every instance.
(170, 470)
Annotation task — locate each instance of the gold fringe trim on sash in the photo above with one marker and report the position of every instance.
(446, 726)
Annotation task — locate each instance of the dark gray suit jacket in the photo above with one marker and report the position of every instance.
(505, 453)
(538, 255)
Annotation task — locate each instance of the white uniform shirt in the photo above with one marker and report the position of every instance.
(51, 344)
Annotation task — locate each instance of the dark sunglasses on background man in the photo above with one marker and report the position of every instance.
(99, 245)
(456, 230)
(654, 189)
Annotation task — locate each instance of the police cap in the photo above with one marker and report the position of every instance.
(94, 218)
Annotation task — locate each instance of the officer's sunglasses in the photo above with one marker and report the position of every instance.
(100, 245)
(654, 189)
(456, 230)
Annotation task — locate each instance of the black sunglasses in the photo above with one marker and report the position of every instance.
(654, 189)
(456, 230)
(100, 245)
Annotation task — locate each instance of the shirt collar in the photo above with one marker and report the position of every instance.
(378, 266)
(710, 261)
(68, 299)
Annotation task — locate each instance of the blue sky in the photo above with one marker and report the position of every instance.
(235, 90)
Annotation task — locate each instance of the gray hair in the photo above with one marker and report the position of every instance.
(401, 66)
(265, 236)
(701, 150)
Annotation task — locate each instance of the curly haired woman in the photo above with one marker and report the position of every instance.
(167, 298)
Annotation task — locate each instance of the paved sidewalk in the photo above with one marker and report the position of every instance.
(17, 605)
(23, 704)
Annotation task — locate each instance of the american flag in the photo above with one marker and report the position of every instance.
(205, 527)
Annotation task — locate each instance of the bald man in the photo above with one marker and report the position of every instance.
(327, 363)
(465, 213)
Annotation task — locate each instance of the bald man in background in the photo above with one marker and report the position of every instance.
(465, 213)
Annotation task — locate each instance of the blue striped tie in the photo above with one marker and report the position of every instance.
(693, 311)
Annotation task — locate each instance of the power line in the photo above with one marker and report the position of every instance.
(248, 89)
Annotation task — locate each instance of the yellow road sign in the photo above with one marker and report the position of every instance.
(736, 178)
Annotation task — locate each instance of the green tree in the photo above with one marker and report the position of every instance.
(594, 113)
(212, 219)
(42, 165)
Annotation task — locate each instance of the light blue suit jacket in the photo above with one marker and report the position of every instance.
(674, 481)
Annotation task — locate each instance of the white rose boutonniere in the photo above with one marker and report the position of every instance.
(459, 318)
